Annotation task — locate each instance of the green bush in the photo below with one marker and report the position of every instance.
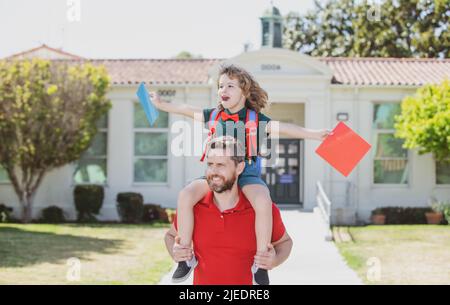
(53, 214)
(88, 201)
(442, 207)
(5, 213)
(377, 211)
(425, 119)
(403, 216)
(130, 207)
(153, 212)
(447, 214)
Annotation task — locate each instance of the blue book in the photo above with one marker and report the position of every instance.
(150, 110)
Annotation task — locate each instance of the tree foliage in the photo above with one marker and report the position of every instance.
(48, 115)
(385, 28)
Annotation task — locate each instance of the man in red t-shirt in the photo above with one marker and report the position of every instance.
(224, 239)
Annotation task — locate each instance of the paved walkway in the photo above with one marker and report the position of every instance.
(312, 261)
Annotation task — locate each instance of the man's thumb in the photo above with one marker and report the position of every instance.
(270, 246)
(177, 239)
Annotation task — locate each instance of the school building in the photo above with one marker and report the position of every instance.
(314, 92)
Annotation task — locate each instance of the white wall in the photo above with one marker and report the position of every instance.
(368, 196)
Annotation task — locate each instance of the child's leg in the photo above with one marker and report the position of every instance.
(259, 197)
(187, 199)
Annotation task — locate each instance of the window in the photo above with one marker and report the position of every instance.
(390, 160)
(277, 36)
(91, 167)
(266, 34)
(3, 175)
(151, 147)
(443, 172)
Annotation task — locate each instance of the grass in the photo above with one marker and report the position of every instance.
(418, 254)
(108, 254)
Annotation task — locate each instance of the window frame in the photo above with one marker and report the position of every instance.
(439, 185)
(5, 182)
(105, 157)
(377, 131)
(166, 157)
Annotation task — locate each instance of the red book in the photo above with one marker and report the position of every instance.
(343, 149)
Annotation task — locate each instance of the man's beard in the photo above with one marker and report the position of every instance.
(220, 188)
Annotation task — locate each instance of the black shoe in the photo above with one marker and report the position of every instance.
(182, 272)
(261, 277)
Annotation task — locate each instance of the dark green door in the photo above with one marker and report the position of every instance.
(285, 179)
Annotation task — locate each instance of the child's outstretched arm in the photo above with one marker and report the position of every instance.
(183, 109)
(298, 132)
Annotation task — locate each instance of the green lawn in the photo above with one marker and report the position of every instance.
(407, 254)
(109, 254)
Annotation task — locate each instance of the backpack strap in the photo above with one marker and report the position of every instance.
(212, 123)
(251, 132)
(213, 118)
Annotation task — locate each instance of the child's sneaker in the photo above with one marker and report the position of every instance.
(260, 276)
(184, 270)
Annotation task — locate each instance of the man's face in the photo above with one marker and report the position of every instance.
(229, 92)
(221, 172)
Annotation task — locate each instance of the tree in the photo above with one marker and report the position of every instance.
(424, 121)
(392, 28)
(48, 115)
(325, 31)
(187, 55)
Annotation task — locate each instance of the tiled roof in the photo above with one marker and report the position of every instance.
(158, 71)
(46, 52)
(346, 71)
(387, 71)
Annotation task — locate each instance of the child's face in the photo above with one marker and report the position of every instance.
(230, 94)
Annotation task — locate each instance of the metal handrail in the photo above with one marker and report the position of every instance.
(324, 204)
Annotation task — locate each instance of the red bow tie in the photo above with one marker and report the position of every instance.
(225, 116)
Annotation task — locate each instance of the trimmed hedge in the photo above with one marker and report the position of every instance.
(153, 212)
(403, 216)
(5, 213)
(130, 207)
(88, 201)
(52, 214)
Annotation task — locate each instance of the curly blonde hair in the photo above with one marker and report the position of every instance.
(256, 97)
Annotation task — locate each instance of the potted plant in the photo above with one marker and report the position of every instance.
(434, 218)
(378, 217)
(435, 215)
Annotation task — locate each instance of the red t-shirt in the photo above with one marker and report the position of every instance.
(225, 242)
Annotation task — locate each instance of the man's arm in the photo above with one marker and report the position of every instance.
(176, 251)
(277, 253)
(283, 248)
(183, 109)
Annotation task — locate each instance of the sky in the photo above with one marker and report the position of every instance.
(137, 28)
